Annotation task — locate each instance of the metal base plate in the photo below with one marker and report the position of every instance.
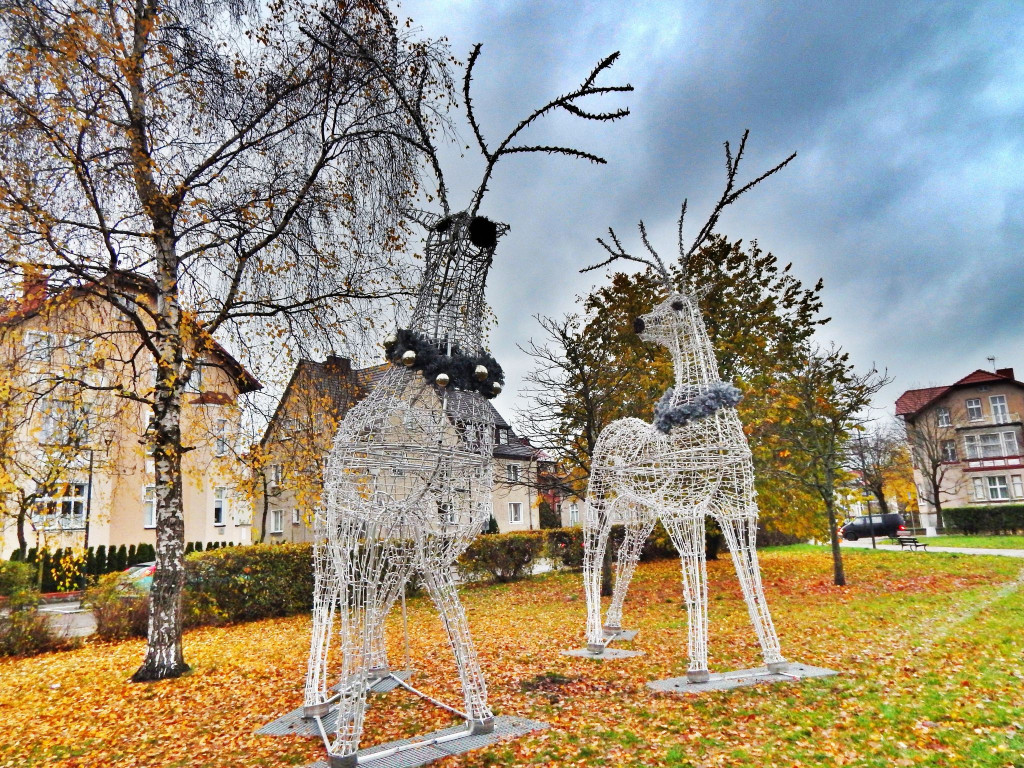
(725, 681)
(609, 653)
(620, 634)
(293, 724)
(505, 728)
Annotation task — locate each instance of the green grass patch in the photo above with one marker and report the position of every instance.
(981, 542)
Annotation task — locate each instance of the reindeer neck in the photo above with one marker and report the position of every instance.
(694, 363)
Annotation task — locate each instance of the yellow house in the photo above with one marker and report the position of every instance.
(302, 428)
(74, 468)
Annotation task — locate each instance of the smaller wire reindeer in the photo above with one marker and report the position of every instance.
(691, 462)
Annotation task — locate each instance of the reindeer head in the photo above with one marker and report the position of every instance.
(670, 323)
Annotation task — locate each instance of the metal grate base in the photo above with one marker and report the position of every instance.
(726, 681)
(609, 653)
(505, 728)
(293, 724)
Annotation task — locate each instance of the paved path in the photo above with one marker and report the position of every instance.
(866, 544)
(70, 617)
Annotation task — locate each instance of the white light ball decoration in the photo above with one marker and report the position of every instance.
(442, 380)
(496, 388)
(480, 373)
(408, 357)
(391, 340)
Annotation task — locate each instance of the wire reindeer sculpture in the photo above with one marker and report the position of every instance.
(409, 479)
(691, 462)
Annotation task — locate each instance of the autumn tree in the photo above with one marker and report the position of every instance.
(594, 369)
(878, 456)
(822, 403)
(208, 171)
(933, 450)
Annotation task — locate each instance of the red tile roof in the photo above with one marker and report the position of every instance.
(914, 400)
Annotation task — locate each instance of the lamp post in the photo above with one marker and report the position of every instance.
(107, 437)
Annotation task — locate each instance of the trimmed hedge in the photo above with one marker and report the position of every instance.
(245, 583)
(504, 556)
(992, 518)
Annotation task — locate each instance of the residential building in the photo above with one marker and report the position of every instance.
(301, 431)
(74, 466)
(966, 441)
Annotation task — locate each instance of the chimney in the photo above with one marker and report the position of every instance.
(33, 282)
(1007, 372)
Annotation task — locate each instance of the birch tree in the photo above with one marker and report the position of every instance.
(205, 170)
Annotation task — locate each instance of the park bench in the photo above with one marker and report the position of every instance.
(911, 542)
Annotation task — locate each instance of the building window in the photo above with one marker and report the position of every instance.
(997, 490)
(276, 472)
(219, 503)
(942, 417)
(149, 507)
(39, 346)
(1018, 487)
(949, 450)
(65, 511)
(1000, 413)
(515, 512)
(64, 423)
(574, 514)
(220, 447)
(974, 409)
(277, 521)
(502, 436)
(296, 517)
(195, 381)
(979, 490)
(991, 445)
(512, 473)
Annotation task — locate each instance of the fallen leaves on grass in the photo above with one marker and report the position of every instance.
(930, 649)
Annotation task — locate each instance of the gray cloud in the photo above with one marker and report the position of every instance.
(907, 195)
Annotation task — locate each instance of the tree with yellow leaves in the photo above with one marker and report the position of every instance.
(208, 171)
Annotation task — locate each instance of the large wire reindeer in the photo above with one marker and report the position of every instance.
(409, 479)
(691, 462)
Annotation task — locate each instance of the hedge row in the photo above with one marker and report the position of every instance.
(995, 518)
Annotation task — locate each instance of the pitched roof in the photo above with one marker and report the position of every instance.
(16, 312)
(914, 400)
(333, 374)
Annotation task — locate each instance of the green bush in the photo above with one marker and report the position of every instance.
(121, 609)
(245, 583)
(993, 518)
(504, 556)
(16, 577)
(565, 546)
(24, 631)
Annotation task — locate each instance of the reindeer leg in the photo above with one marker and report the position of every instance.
(687, 534)
(741, 535)
(597, 525)
(326, 597)
(440, 584)
(629, 555)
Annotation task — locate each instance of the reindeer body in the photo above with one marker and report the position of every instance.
(408, 486)
(679, 469)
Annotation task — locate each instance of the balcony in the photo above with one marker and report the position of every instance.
(988, 421)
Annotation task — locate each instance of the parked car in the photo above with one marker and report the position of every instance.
(883, 525)
(139, 576)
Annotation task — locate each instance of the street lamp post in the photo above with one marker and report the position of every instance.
(107, 436)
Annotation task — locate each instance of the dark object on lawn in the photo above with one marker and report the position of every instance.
(882, 525)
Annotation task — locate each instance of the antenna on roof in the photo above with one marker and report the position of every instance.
(992, 359)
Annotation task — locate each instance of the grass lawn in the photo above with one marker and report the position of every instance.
(983, 542)
(931, 648)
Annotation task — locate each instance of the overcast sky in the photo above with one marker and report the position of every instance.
(907, 195)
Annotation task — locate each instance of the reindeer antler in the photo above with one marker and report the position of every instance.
(565, 101)
(729, 196)
(618, 252)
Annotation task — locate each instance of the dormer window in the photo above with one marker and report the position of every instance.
(942, 417)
